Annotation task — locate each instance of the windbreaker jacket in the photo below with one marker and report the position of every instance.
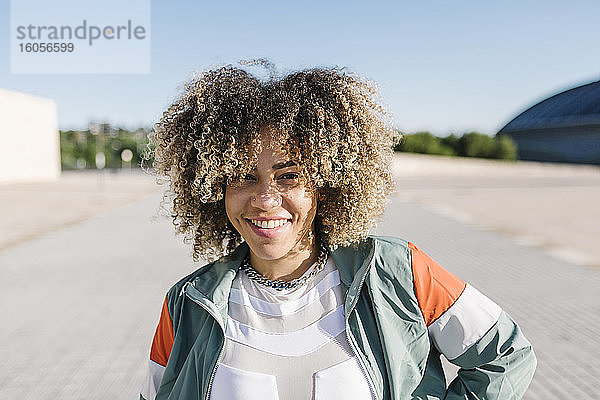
(402, 311)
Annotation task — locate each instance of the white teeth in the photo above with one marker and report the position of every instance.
(270, 224)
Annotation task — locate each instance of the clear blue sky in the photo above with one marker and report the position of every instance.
(442, 66)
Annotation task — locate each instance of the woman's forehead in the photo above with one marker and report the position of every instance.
(276, 164)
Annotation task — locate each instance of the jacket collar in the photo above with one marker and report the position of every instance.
(214, 284)
(353, 263)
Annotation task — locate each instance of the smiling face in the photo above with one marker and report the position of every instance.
(271, 207)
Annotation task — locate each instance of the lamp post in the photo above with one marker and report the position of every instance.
(126, 157)
(100, 159)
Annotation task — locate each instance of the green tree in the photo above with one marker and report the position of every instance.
(451, 141)
(471, 144)
(425, 143)
(506, 148)
(475, 144)
(78, 148)
(74, 146)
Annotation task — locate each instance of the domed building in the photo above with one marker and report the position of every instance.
(562, 128)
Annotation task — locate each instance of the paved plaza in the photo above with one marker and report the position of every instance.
(81, 294)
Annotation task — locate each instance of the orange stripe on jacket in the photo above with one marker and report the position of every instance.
(163, 338)
(436, 288)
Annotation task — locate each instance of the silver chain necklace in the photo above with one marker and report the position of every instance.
(279, 284)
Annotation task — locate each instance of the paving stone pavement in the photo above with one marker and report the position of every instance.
(33, 208)
(80, 304)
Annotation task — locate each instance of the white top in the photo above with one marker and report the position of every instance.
(288, 344)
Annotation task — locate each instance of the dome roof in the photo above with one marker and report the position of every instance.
(574, 107)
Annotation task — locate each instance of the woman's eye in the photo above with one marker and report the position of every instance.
(249, 178)
(289, 176)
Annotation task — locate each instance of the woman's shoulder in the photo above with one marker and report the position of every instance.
(393, 255)
(385, 249)
(391, 247)
(390, 241)
(387, 256)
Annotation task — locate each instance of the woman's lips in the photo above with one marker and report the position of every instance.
(269, 232)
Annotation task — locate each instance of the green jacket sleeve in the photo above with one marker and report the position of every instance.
(500, 365)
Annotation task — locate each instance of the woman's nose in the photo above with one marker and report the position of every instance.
(267, 197)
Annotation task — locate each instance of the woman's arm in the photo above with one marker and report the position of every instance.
(159, 354)
(473, 332)
(500, 365)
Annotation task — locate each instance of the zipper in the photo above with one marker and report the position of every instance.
(352, 341)
(214, 370)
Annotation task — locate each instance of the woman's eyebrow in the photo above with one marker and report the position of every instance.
(286, 164)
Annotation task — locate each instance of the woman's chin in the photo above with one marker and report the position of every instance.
(269, 252)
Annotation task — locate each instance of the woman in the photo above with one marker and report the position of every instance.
(279, 182)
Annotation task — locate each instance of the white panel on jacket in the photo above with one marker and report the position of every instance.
(342, 381)
(152, 382)
(236, 384)
(464, 323)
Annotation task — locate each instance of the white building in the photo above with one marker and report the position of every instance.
(29, 138)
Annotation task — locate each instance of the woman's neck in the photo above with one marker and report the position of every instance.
(289, 267)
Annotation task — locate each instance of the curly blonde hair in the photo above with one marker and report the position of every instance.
(330, 120)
